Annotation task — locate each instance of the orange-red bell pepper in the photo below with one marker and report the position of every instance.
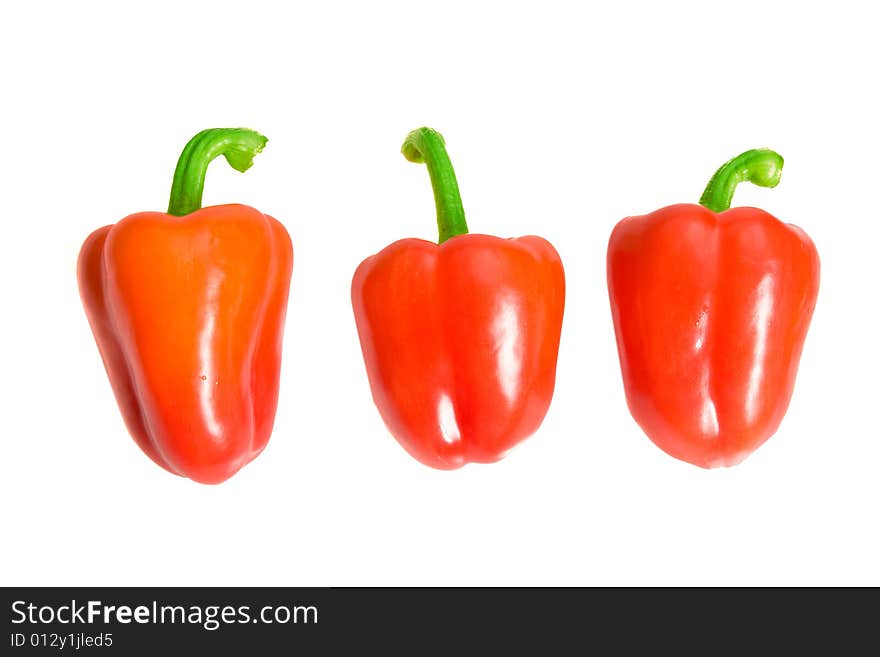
(188, 310)
(459, 339)
(711, 308)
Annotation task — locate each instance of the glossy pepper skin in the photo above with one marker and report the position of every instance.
(188, 310)
(460, 339)
(711, 307)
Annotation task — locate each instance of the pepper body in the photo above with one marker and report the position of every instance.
(710, 311)
(460, 342)
(188, 314)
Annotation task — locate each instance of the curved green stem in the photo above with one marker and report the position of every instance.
(237, 145)
(760, 166)
(427, 145)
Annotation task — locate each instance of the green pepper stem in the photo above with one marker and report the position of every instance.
(760, 166)
(237, 145)
(427, 145)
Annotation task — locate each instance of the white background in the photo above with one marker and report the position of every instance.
(560, 121)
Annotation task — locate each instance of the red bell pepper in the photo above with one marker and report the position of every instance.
(459, 338)
(711, 308)
(188, 312)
